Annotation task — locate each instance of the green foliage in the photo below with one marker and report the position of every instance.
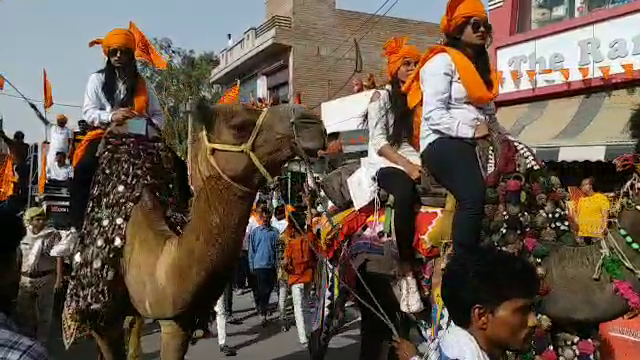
(186, 78)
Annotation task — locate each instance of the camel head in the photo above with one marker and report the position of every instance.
(283, 132)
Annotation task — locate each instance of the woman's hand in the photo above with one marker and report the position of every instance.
(414, 171)
(121, 115)
(482, 130)
(405, 349)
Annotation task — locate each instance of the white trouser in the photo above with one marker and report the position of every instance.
(301, 311)
(282, 299)
(221, 321)
(35, 305)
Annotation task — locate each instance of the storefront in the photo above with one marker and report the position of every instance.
(569, 75)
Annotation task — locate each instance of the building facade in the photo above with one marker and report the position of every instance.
(569, 73)
(306, 47)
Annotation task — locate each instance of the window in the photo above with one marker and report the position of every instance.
(534, 14)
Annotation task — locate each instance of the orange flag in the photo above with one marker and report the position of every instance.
(605, 70)
(48, 97)
(145, 50)
(1, 82)
(298, 99)
(584, 71)
(565, 74)
(500, 78)
(515, 75)
(231, 96)
(628, 70)
(532, 75)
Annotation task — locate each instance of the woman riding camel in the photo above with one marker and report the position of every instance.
(457, 85)
(392, 160)
(114, 164)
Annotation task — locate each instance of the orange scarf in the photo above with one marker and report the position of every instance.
(469, 76)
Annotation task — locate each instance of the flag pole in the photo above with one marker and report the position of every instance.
(31, 105)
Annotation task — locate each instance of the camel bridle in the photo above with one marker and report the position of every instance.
(246, 148)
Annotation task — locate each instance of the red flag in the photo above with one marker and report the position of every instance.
(231, 96)
(1, 82)
(48, 97)
(145, 50)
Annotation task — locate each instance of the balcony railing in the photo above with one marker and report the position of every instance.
(252, 38)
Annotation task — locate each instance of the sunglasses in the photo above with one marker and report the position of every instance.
(476, 25)
(115, 52)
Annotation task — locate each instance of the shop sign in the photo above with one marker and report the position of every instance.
(610, 44)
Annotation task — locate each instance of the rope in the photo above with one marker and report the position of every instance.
(623, 257)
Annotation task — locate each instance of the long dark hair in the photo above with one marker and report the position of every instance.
(478, 54)
(402, 129)
(110, 85)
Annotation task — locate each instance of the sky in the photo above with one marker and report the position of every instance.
(54, 35)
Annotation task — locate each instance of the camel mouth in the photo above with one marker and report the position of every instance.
(310, 134)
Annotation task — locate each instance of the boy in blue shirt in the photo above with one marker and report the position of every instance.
(263, 259)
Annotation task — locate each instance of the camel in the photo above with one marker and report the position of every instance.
(177, 279)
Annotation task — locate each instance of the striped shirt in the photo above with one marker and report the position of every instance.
(14, 346)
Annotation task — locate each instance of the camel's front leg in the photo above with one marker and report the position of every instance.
(175, 340)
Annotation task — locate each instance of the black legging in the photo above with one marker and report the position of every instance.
(398, 183)
(454, 165)
(80, 185)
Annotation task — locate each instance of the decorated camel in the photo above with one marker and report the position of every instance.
(526, 212)
(177, 279)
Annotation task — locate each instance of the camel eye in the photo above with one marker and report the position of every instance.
(243, 128)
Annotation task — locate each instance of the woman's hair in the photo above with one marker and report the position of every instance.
(402, 129)
(110, 85)
(478, 54)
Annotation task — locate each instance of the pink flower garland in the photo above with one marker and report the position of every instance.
(625, 290)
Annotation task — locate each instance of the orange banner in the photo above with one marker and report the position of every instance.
(231, 96)
(48, 97)
(500, 78)
(605, 70)
(545, 71)
(628, 70)
(145, 50)
(565, 74)
(515, 75)
(532, 75)
(584, 71)
(43, 171)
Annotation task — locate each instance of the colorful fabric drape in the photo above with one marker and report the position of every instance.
(81, 149)
(48, 97)
(7, 177)
(231, 96)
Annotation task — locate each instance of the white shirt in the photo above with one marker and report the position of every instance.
(59, 139)
(60, 173)
(457, 343)
(362, 183)
(447, 109)
(253, 223)
(36, 250)
(97, 111)
(281, 225)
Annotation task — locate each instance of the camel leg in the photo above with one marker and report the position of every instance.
(111, 343)
(175, 340)
(134, 327)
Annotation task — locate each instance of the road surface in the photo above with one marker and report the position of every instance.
(251, 340)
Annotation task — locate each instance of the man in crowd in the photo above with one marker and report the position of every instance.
(489, 296)
(298, 263)
(41, 275)
(12, 344)
(592, 213)
(262, 259)
(60, 137)
(19, 151)
(59, 170)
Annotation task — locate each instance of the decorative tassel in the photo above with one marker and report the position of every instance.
(625, 290)
(613, 266)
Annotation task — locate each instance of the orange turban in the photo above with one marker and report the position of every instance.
(62, 117)
(121, 38)
(458, 11)
(396, 50)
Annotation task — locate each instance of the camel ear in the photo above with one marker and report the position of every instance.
(204, 113)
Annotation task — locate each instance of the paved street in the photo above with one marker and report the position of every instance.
(250, 339)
